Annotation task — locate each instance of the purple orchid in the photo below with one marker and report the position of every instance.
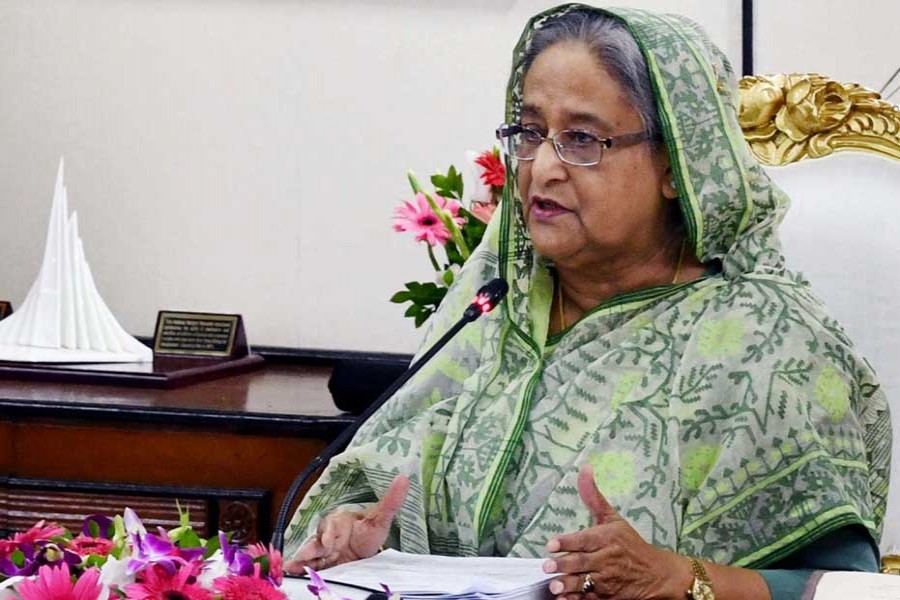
(103, 523)
(37, 555)
(51, 554)
(150, 549)
(319, 588)
(239, 563)
(29, 563)
(132, 523)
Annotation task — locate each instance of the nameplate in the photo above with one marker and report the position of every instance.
(199, 334)
(5, 309)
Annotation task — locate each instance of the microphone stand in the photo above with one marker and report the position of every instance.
(487, 298)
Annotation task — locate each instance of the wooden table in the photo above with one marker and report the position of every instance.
(227, 449)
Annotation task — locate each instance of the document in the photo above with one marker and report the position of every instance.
(422, 576)
(843, 585)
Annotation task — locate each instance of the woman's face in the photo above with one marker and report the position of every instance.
(616, 210)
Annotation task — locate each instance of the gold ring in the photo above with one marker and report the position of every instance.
(588, 585)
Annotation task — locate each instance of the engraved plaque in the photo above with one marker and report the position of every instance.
(199, 334)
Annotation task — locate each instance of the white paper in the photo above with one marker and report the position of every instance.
(846, 585)
(415, 574)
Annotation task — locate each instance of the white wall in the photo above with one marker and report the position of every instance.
(246, 155)
(848, 41)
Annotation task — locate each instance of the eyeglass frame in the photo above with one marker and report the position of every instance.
(506, 130)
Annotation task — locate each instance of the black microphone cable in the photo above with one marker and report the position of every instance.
(485, 300)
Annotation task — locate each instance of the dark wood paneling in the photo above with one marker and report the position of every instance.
(242, 512)
(154, 457)
(254, 431)
(25, 507)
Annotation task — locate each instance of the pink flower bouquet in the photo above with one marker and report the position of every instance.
(119, 558)
(440, 219)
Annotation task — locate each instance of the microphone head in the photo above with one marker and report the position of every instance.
(493, 291)
(487, 298)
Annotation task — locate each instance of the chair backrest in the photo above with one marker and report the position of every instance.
(843, 228)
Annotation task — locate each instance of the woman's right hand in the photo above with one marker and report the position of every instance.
(345, 536)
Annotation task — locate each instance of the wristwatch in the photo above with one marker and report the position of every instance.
(701, 589)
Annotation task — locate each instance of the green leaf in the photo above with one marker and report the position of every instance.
(211, 546)
(423, 298)
(448, 277)
(94, 560)
(427, 293)
(449, 185)
(263, 564)
(400, 297)
(94, 529)
(119, 525)
(422, 317)
(184, 535)
(453, 254)
(473, 229)
(455, 182)
(189, 539)
(184, 516)
(176, 533)
(438, 180)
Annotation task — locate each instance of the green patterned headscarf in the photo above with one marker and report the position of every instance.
(728, 418)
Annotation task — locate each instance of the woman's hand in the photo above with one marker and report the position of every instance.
(620, 563)
(346, 536)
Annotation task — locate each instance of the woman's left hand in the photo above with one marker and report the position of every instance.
(619, 562)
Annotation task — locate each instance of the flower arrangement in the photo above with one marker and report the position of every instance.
(440, 219)
(119, 558)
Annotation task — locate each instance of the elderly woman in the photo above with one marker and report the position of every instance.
(659, 408)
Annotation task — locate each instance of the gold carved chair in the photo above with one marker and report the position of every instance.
(843, 228)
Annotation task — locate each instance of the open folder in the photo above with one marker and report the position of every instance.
(431, 577)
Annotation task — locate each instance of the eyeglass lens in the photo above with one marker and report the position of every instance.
(575, 147)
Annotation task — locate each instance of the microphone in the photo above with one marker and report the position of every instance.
(486, 299)
(484, 302)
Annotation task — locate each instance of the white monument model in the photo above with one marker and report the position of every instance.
(63, 318)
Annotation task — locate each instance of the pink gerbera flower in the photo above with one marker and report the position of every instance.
(157, 584)
(40, 531)
(55, 583)
(247, 588)
(419, 218)
(493, 172)
(83, 546)
(276, 569)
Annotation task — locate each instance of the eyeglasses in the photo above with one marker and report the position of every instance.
(573, 147)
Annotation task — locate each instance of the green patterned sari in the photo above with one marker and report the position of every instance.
(728, 418)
